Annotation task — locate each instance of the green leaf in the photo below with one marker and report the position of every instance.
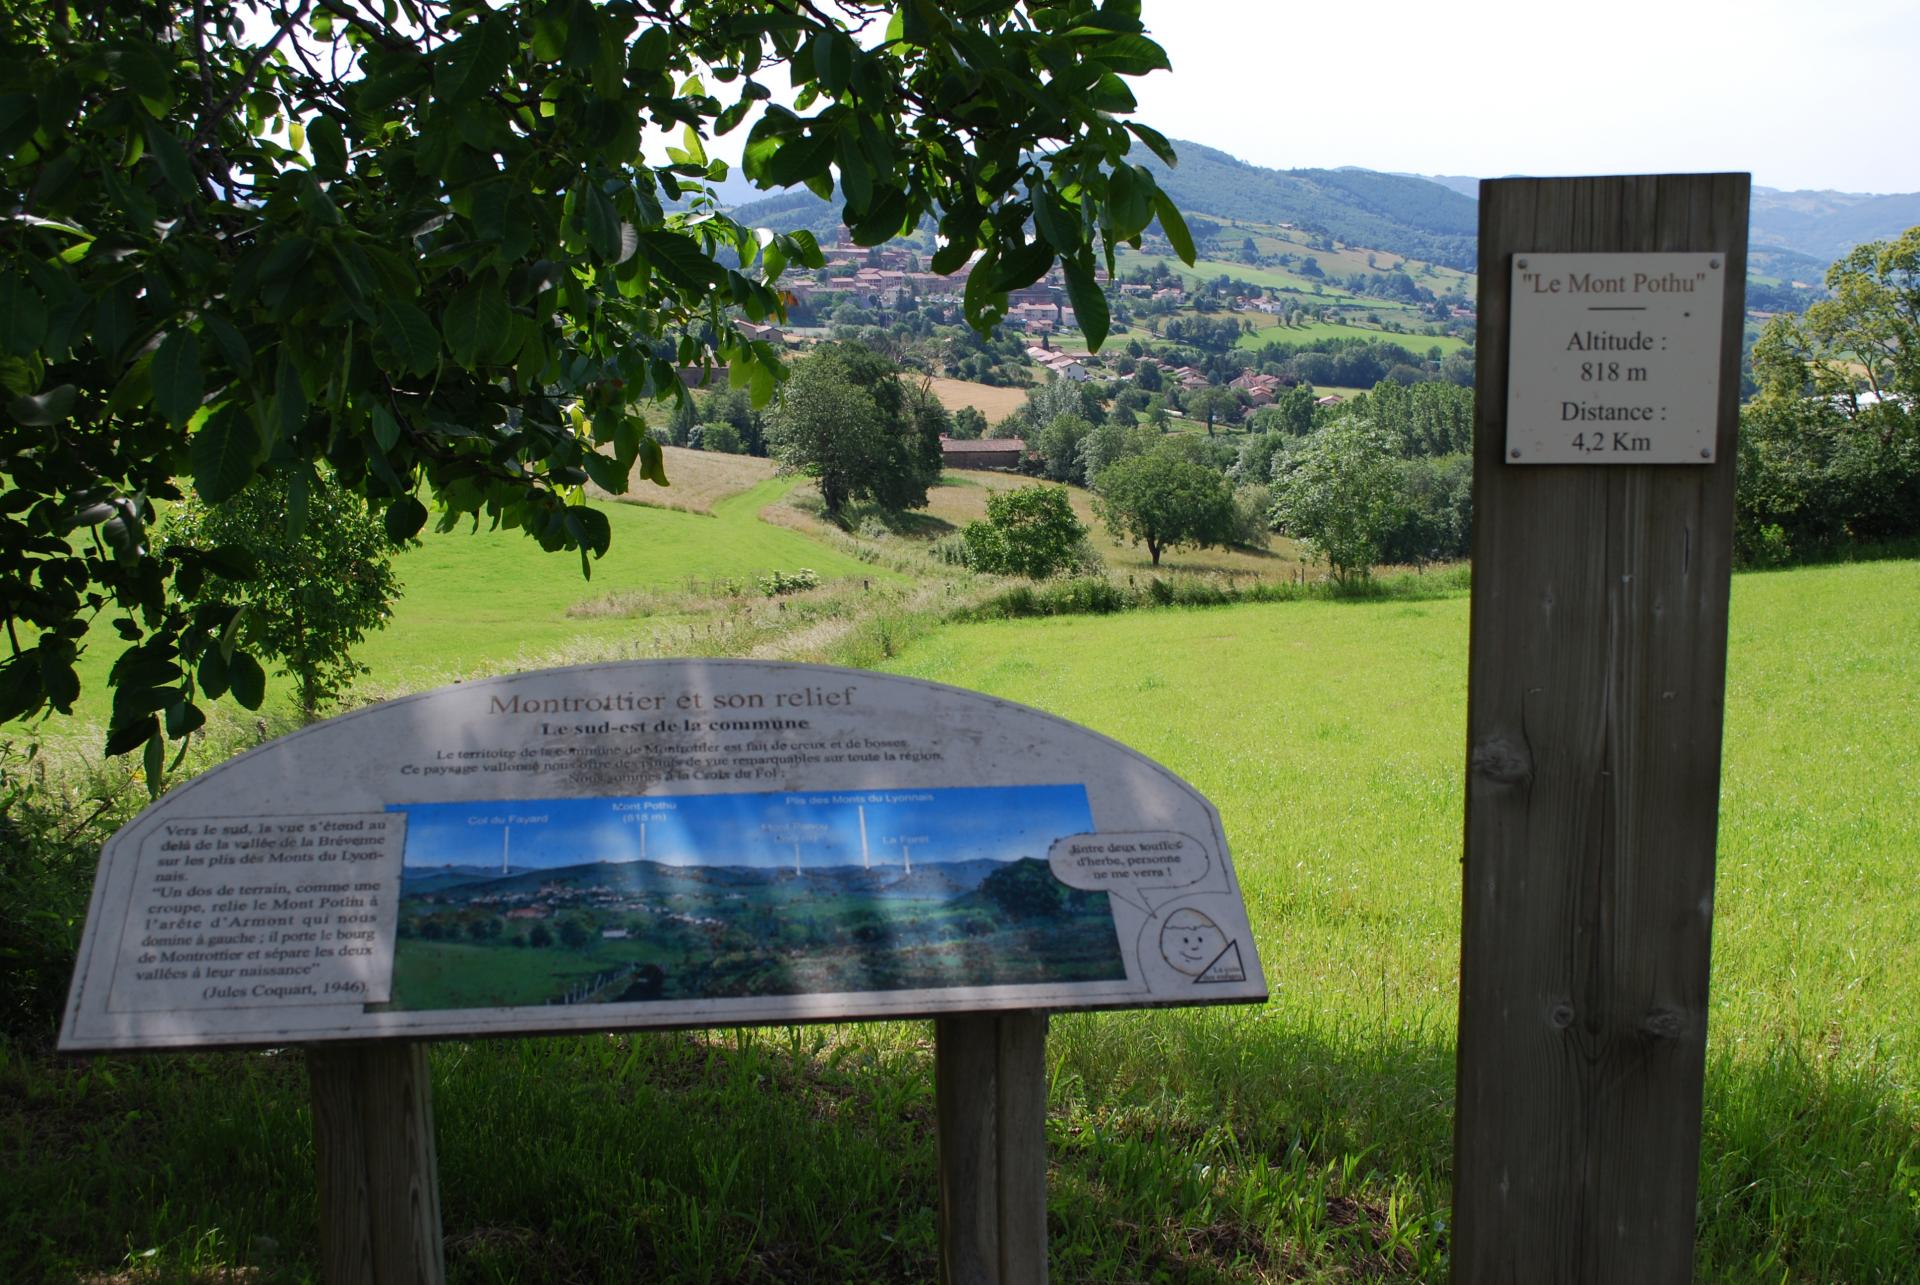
(1156, 142)
(177, 382)
(467, 67)
(329, 145)
(171, 157)
(765, 140)
(224, 453)
(409, 337)
(950, 256)
(478, 322)
(1131, 55)
(678, 258)
(44, 409)
(386, 429)
(1022, 265)
(653, 464)
(23, 316)
(289, 408)
(20, 689)
(808, 248)
(405, 516)
(590, 528)
(856, 177)
(184, 718)
(886, 220)
(232, 345)
(606, 472)
(1089, 304)
(155, 762)
(113, 319)
(246, 680)
(213, 674)
(1129, 208)
(1175, 226)
(1054, 220)
(601, 222)
(801, 159)
(129, 736)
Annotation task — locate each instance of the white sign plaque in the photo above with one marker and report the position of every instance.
(660, 843)
(1614, 358)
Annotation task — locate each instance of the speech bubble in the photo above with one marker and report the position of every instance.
(1130, 864)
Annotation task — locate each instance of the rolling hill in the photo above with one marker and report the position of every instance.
(1433, 218)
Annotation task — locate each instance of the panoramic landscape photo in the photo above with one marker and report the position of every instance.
(725, 896)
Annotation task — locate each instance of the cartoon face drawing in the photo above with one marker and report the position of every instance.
(1190, 941)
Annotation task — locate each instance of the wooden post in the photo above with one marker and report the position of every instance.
(990, 1089)
(373, 1154)
(1596, 685)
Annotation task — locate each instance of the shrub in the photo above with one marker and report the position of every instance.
(51, 832)
(1030, 531)
(777, 583)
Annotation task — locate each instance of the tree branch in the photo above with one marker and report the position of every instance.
(260, 56)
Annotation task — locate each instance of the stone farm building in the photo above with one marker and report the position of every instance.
(987, 453)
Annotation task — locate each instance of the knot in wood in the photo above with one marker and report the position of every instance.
(1664, 1024)
(1501, 761)
(1561, 1016)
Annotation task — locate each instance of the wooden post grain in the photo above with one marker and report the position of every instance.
(990, 1091)
(1596, 686)
(373, 1152)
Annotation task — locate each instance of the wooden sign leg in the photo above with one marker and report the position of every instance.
(373, 1150)
(990, 1089)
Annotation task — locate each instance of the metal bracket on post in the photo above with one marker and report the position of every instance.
(990, 1089)
(373, 1155)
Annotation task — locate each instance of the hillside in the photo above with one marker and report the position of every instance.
(1408, 217)
(1433, 218)
(1794, 235)
(1825, 225)
(1411, 217)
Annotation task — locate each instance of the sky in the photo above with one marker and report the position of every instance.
(1797, 94)
(999, 823)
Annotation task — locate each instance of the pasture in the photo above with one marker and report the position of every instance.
(699, 480)
(482, 601)
(1306, 1139)
(962, 497)
(1413, 341)
(994, 402)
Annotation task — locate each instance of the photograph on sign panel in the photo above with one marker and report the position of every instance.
(697, 897)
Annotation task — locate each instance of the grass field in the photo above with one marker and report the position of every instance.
(962, 498)
(698, 480)
(483, 602)
(993, 402)
(486, 602)
(1304, 1140)
(1415, 343)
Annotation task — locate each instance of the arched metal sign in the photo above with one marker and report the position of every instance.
(655, 844)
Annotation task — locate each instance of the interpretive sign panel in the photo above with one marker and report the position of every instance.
(1614, 358)
(664, 843)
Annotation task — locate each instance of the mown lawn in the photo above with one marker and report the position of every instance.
(478, 602)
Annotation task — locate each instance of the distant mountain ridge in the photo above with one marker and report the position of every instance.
(1805, 230)
(1429, 217)
(1409, 216)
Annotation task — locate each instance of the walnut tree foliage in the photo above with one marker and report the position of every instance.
(447, 251)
